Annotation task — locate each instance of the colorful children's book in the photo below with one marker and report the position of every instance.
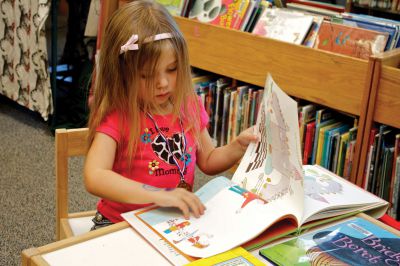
(371, 25)
(250, 12)
(321, 140)
(344, 141)
(389, 25)
(270, 187)
(325, 160)
(283, 25)
(350, 149)
(225, 13)
(352, 41)
(308, 144)
(306, 115)
(356, 241)
(323, 117)
(311, 37)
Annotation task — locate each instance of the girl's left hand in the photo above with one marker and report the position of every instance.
(246, 136)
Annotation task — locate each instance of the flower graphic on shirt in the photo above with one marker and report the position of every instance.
(153, 165)
(187, 158)
(146, 136)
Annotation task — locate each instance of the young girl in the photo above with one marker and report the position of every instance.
(147, 128)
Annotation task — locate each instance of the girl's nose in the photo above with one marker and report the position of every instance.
(162, 82)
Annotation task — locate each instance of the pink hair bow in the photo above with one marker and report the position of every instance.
(130, 44)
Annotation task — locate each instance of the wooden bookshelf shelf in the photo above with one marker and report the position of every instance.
(333, 80)
(306, 73)
(387, 106)
(384, 102)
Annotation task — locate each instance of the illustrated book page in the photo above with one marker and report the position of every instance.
(272, 167)
(233, 216)
(287, 26)
(328, 195)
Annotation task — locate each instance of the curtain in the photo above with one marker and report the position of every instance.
(23, 54)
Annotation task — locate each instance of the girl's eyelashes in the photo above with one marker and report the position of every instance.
(149, 76)
(145, 76)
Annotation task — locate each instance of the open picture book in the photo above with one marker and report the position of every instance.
(270, 195)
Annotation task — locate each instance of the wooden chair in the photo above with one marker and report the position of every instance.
(69, 143)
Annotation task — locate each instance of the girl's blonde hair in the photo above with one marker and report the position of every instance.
(118, 75)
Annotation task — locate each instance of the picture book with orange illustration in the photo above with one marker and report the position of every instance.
(348, 40)
(270, 195)
(225, 13)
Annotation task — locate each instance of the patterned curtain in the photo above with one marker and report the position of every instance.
(23, 55)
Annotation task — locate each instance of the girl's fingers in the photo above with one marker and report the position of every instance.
(197, 207)
(194, 204)
(184, 200)
(184, 208)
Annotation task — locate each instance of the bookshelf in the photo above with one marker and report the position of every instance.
(384, 102)
(336, 81)
(332, 80)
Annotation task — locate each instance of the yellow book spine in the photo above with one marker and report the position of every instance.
(343, 140)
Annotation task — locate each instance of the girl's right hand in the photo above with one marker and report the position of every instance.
(181, 198)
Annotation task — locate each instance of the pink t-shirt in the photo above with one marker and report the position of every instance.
(152, 164)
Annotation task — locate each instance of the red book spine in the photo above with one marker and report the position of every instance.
(310, 132)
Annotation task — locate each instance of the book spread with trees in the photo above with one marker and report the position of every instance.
(270, 186)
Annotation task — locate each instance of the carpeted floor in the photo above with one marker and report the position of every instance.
(27, 184)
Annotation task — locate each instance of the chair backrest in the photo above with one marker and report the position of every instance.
(68, 143)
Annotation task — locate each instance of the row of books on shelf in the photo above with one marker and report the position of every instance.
(382, 173)
(393, 5)
(327, 138)
(231, 108)
(345, 33)
(303, 22)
